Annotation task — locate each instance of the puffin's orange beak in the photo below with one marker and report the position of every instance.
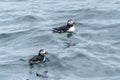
(46, 52)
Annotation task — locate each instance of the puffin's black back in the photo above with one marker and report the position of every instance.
(37, 57)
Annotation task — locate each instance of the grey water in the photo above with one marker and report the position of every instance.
(91, 53)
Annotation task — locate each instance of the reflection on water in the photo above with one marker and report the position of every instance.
(69, 35)
(67, 45)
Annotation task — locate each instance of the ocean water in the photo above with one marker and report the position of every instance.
(91, 53)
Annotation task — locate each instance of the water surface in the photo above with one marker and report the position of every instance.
(91, 53)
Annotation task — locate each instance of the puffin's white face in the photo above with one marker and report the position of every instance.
(71, 22)
(43, 52)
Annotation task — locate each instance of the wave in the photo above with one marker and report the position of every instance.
(22, 19)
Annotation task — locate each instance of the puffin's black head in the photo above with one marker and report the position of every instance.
(43, 52)
(71, 22)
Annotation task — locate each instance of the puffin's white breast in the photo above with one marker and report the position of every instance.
(72, 29)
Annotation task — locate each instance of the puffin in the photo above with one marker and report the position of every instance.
(70, 27)
(39, 58)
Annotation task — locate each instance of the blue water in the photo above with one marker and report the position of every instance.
(91, 53)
